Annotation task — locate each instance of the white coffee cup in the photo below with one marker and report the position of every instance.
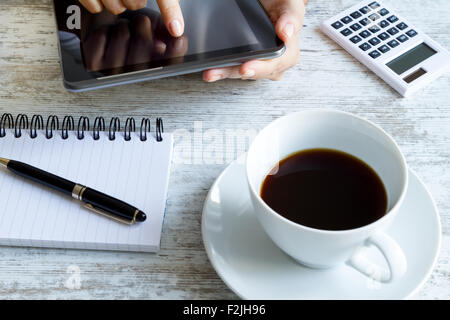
(345, 132)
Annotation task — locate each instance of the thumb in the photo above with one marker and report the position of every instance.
(290, 21)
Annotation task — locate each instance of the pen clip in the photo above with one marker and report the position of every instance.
(108, 215)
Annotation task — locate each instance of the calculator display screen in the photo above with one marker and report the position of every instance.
(411, 58)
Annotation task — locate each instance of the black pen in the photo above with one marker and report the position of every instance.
(93, 200)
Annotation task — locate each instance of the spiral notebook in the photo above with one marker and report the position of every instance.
(130, 165)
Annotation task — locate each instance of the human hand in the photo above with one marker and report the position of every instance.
(170, 10)
(111, 42)
(287, 17)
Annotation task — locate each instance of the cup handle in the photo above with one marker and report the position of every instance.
(392, 253)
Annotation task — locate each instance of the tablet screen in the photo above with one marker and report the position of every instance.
(104, 44)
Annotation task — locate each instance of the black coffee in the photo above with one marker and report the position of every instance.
(325, 189)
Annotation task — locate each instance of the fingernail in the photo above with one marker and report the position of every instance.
(249, 73)
(175, 27)
(118, 10)
(216, 76)
(96, 7)
(179, 43)
(289, 30)
(160, 46)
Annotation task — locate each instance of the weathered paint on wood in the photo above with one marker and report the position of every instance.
(326, 77)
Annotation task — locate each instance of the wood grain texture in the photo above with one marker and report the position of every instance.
(326, 77)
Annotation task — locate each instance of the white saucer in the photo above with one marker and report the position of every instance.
(254, 268)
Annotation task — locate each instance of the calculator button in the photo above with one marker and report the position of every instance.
(393, 43)
(374, 5)
(374, 29)
(364, 21)
(355, 27)
(365, 46)
(356, 15)
(392, 19)
(346, 19)
(383, 24)
(337, 25)
(375, 54)
(374, 17)
(402, 26)
(402, 38)
(383, 36)
(355, 39)
(384, 48)
(346, 32)
(364, 10)
(412, 33)
(383, 12)
(392, 31)
(364, 34)
(374, 41)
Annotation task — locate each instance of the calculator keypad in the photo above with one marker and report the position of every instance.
(402, 38)
(392, 31)
(393, 43)
(383, 36)
(355, 15)
(384, 48)
(364, 22)
(355, 39)
(346, 20)
(374, 5)
(364, 10)
(355, 27)
(365, 46)
(346, 32)
(374, 17)
(383, 12)
(374, 29)
(374, 41)
(378, 22)
(375, 54)
(337, 25)
(365, 34)
(392, 19)
(383, 23)
(402, 26)
(411, 33)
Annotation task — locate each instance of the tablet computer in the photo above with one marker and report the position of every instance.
(103, 50)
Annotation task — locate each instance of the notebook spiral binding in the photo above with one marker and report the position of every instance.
(21, 124)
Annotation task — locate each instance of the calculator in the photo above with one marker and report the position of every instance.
(389, 45)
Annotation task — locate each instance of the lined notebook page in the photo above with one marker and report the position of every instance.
(133, 171)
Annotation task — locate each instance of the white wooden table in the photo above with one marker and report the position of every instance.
(30, 82)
